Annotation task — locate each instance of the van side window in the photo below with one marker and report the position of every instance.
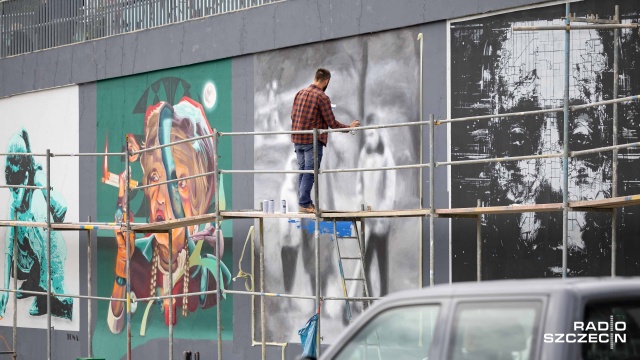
(495, 330)
(403, 333)
(617, 329)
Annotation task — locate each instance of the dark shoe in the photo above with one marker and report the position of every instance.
(311, 209)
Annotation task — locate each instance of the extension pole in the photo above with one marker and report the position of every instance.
(565, 157)
(128, 247)
(48, 254)
(316, 233)
(220, 282)
(614, 161)
(432, 167)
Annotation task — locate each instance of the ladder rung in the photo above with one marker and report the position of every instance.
(353, 279)
(347, 237)
(350, 258)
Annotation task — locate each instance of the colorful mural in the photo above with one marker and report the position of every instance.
(496, 70)
(374, 79)
(33, 129)
(150, 110)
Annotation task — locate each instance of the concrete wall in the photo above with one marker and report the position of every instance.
(238, 36)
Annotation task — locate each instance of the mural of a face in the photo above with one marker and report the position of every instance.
(150, 110)
(189, 159)
(519, 71)
(519, 181)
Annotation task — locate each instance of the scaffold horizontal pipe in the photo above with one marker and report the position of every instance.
(69, 225)
(605, 148)
(576, 27)
(23, 154)
(170, 144)
(371, 127)
(267, 294)
(354, 298)
(73, 227)
(503, 159)
(266, 171)
(605, 102)
(210, 292)
(88, 154)
(22, 223)
(24, 291)
(538, 112)
(266, 133)
(89, 297)
(175, 180)
(23, 187)
(399, 167)
(497, 116)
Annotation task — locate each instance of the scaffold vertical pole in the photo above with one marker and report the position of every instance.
(15, 287)
(479, 245)
(48, 254)
(262, 290)
(90, 293)
(432, 168)
(127, 241)
(316, 233)
(171, 300)
(614, 160)
(220, 282)
(565, 143)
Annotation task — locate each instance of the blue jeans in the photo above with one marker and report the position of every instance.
(304, 152)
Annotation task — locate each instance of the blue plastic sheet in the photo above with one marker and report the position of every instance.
(308, 335)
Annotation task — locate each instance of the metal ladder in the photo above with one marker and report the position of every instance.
(360, 258)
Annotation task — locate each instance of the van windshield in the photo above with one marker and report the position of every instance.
(403, 333)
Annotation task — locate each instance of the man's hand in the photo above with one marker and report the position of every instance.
(355, 123)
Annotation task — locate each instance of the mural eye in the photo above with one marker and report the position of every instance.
(182, 184)
(154, 177)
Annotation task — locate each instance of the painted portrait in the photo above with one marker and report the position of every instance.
(496, 70)
(157, 109)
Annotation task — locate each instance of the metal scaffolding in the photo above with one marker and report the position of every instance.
(130, 228)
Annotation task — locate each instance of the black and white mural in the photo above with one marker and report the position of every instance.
(496, 70)
(374, 79)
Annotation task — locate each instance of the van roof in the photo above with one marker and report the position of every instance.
(583, 287)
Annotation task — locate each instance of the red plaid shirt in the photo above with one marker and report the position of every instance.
(312, 110)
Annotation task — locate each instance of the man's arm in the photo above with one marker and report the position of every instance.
(324, 106)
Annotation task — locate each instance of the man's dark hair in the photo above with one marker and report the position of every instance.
(322, 74)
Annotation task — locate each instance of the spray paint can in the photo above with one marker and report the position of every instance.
(272, 204)
(265, 206)
(284, 206)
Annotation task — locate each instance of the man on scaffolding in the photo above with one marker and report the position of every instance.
(312, 110)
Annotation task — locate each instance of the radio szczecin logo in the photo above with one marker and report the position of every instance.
(600, 332)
